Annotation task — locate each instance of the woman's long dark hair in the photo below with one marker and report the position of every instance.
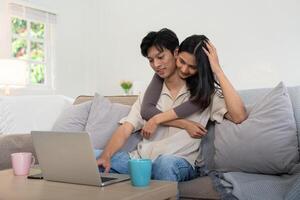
(202, 85)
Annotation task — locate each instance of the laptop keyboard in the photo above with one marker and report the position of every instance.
(105, 179)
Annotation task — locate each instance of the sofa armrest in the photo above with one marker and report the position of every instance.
(13, 143)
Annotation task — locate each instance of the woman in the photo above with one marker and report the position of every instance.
(198, 63)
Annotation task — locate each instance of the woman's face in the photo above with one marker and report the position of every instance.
(186, 64)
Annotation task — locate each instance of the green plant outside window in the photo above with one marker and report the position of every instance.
(37, 30)
(37, 72)
(28, 44)
(19, 48)
(19, 26)
(36, 51)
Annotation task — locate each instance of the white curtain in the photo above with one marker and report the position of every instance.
(5, 39)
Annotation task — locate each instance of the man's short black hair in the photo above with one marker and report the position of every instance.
(165, 38)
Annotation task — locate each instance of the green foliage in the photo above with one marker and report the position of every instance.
(126, 85)
(37, 75)
(37, 52)
(37, 30)
(20, 41)
(19, 26)
(19, 48)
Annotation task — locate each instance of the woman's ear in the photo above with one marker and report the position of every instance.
(176, 53)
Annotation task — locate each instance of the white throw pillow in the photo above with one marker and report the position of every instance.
(22, 114)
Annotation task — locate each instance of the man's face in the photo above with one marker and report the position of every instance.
(162, 62)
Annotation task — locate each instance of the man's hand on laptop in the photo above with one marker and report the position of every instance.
(195, 130)
(104, 161)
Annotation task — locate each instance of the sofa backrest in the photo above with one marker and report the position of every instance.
(249, 97)
(126, 99)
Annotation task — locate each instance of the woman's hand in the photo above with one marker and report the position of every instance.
(149, 128)
(234, 104)
(212, 57)
(195, 130)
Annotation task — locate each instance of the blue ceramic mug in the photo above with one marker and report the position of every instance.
(140, 172)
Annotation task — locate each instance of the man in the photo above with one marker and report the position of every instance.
(172, 150)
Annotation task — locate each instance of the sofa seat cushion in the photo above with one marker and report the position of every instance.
(199, 188)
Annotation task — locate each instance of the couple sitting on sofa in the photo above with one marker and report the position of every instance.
(188, 89)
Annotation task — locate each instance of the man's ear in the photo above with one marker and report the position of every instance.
(176, 53)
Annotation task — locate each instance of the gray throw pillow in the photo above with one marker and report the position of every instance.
(264, 143)
(104, 119)
(73, 118)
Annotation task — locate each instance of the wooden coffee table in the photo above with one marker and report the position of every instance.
(19, 187)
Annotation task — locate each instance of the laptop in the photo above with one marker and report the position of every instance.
(69, 157)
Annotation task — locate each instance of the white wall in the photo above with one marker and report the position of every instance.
(258, 41)
(98, 40)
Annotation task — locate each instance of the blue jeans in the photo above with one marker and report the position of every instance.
(165, 167)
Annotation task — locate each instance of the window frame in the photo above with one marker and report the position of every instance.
(47, 41)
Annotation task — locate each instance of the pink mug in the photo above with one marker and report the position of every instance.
(21, 163)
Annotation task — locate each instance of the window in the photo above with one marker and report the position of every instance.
(32, 41)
